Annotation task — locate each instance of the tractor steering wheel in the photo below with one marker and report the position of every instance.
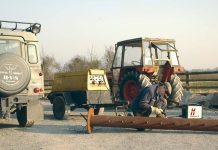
(134, 62)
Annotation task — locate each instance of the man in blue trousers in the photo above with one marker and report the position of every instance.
(152, 99)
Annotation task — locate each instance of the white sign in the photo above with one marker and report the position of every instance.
(194, 112)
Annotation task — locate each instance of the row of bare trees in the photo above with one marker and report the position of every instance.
(78, 63)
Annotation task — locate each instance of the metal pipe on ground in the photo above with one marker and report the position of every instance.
(150, 123)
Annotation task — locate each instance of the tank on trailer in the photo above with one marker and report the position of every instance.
(79, 89)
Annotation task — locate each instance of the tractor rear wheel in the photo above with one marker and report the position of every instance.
(130, 85)
(177, 89)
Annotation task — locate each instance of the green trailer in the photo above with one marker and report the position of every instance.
(83, 89)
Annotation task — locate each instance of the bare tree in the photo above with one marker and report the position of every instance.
(77, 63)
(93, 61)
(95, 64)
(108, 57)
(50, 66)
(81, 63)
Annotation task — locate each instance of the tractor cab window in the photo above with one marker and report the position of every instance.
(174, 58)
(118, 57)
(148, 56)
(10, 46)
(163, 52)
(132, 54)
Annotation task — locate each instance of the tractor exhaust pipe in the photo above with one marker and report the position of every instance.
(150, 123)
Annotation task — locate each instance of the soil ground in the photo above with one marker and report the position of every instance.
(51, 134)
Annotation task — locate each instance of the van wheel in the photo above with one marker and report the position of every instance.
(59, 108)
(22, 117)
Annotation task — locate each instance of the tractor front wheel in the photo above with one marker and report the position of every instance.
(129, 86)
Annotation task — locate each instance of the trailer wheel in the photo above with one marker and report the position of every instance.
(59, 108)
(22, 117)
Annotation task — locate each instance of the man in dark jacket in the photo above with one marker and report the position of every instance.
(152, 99)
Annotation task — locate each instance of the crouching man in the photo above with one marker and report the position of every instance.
(152, 99)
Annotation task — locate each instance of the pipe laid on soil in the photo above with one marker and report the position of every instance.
(150, 123)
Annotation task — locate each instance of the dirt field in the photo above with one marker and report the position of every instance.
(71, 134)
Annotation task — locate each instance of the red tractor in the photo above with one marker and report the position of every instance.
(141, 62)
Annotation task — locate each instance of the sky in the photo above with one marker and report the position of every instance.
(75, 27)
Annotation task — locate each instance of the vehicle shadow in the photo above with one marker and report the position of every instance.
(8, 125)
(55, 129)
(50, 117)
(11, 123)
(81, 129)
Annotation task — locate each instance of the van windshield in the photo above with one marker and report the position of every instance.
(10, 46)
